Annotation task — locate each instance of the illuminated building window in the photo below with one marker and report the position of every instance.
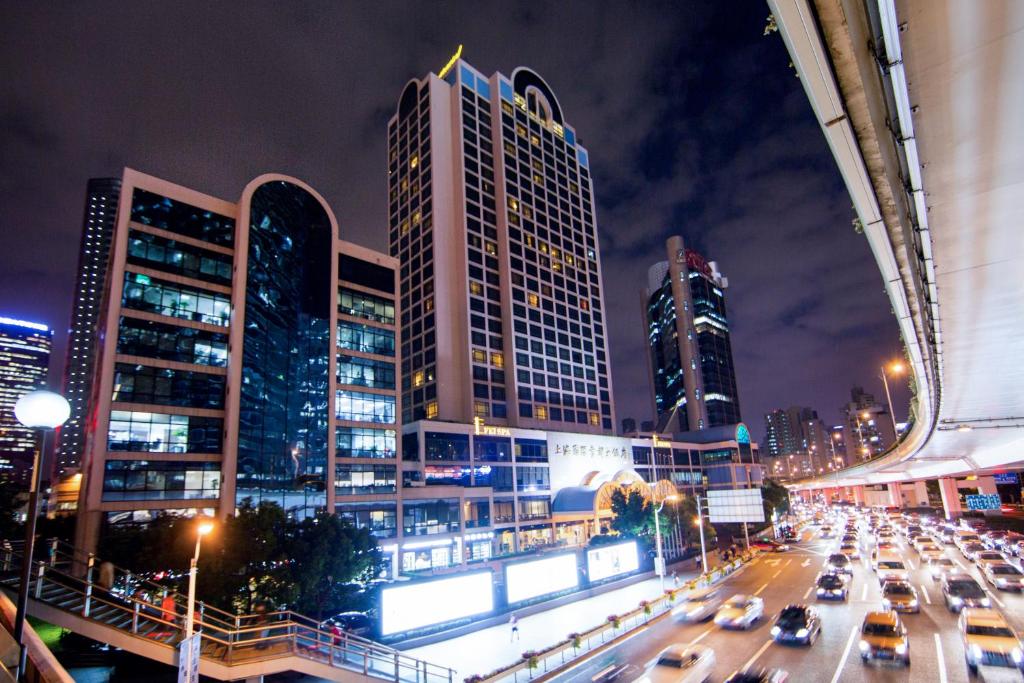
(497, 359)
(405, 184)
(414, 161)
(543, 247)
(476, 288)
(555, 265)
(480, 409)
(520, 131)
(537, 165)
(513, 218)
(491, 248)
(527, 212)
(416, 216)
(404, 226)
(541, 412)
(584, 304)
(428, 303)
(534, 139)
(506, 107)
(529, 240)
(479, 356)
(595, 419)
(513, 203)
(538, 179)
(533, 300)
(417, 378)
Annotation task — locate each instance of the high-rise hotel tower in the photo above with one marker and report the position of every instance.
(491, 208)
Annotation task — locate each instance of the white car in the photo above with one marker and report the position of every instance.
(850, 551)
(939, 567)
(1003, 576)
(891, 569)
(680, 663)
(986, 557)
(740, 611)
(698, 605)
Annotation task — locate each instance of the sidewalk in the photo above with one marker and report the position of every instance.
(482, 651)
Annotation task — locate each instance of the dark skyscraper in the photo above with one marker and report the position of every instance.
(24, 364)
(690, 353)
(101, 197)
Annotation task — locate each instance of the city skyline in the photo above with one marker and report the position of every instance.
(809, 319)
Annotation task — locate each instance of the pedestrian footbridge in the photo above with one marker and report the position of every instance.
(130, 616)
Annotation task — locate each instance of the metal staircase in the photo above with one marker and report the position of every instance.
(131, 615)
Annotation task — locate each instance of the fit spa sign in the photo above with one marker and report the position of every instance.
(574, 456)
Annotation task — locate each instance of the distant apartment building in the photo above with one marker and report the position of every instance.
(24, 364)
(101, 199)
(868, 426)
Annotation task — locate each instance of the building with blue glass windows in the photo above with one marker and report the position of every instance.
(24, 364)
(690, 352)
(246, 353)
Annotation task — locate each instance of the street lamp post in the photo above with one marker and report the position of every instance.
(43, 411)
(895, 368)
(700, 527)
(202, 529)
(657, 538)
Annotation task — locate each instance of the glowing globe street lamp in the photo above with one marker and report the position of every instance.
(43, 411)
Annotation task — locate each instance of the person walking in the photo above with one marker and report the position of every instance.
(514, 623)
(675, 580)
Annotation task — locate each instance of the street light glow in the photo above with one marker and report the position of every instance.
(897, 367)
(204, 528)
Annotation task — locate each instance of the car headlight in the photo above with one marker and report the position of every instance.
(913, 603)
(957, 600)
(821, 591)
(1015, 655)
(837, 591)
(864, 646)
(901, 649)
(886, 604)
(802, 633)
(776, 630)
(976, 651)
(985, 602)
(1000, 582)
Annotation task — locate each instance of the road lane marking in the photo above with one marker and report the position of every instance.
(787, 562)
(846, 654)
(911, 563)
(701, 636)
(758, 591)
(809, 589)
(963, 566)
(864, 592)
(806, 563)
(993, 596)
(776, 573)
(942, 660)
(927, 598)
(756, 655)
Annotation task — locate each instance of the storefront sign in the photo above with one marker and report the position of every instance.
(479, 428)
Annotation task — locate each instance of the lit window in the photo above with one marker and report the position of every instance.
(527, 212)
(513, 203)
(415, 161)
(584, 304)
(507, 108)
(534, 139)
(405, 184)
(540, 412)
(416, 216)
(556, 266)
(479, 356)
(497, 359)
(432, 410)
(480, 409)
(543, 247)
(491, 248)
(428, 303)
(533, 299)
(520, 131)
(417, 378)
(476, 288)
(404, 227)
(595, 419)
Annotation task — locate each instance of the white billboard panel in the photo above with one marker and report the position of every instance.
(611, 560)
(574, 456)
(739, 505)
(405, 607)
(525, 580)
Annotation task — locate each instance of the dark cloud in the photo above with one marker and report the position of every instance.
(695, 122)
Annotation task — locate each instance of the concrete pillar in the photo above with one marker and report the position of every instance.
(895, 494)
(858, 495)
(920, 493)
(950, 498)
(826, 494)
(987, 485)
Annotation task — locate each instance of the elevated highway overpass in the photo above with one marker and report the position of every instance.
(922, 104)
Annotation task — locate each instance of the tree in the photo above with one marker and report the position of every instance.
(688, 517)
(774, 496)
(633, 514)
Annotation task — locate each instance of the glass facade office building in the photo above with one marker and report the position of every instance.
(248, 354)
(492, 215)
(101, 198)
(693, 376)
(24, 363)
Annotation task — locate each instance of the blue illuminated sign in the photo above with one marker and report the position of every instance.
(1006, 478)
(24, 323)
(742, 433)
(984, 501)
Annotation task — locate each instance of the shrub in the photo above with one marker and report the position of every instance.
(614, 620)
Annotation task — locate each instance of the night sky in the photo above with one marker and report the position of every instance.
(695, 122)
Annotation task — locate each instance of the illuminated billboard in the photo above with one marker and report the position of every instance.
(983, 501)
(409, 606)
(525, 580)
(612, 560)
(735, 505)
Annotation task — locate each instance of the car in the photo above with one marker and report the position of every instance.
(929, 551)
(890, 567)
(995, 538)
(831, 586)
(884, 637)
(768, 545)
(989, 557)
(355, 623)
(1003, 576)
(837, 562)
(850, 551)
(826, 532)
(939, 567)
(698, 605)
(680, 663)
(848, 538)
(1015, 548)
(945, 534)
(971, 550)
(758, 674)
(796, 624)
(989, 641)
(960, 590)
(900, 596)
(963, 539)
(740, 611)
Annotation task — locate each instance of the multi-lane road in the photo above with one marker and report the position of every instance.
(779, 579)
